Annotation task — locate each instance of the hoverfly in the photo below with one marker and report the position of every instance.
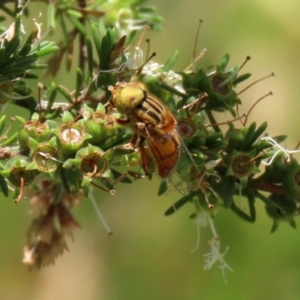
(151, 121)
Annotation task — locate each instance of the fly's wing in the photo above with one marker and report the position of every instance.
(173, 159)
(185, 176)
(165, 149)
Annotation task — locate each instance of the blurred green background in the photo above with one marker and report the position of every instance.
(148, 256)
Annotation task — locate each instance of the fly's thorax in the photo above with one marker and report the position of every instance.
(127, 96)
(154, 113)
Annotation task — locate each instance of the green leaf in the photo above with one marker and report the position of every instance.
(63, 29)
(225, 190)
(38, 66)
(163, 187)
(90, 59)
(2, 123)
(224, 62)
(77, 24)
(12, 139)
(51, 15)
(105, 51)
(30, 102)
(129, 38)
(18, 23)
(274, 226)
(3, 186)
(10, 47)
(241, 78)
(86, 181)
(26, 46)
(259, 131)
(15, 67)
(182, 201)
(280, 138)
(293, 223)
(58, 193)
(57, 112)
(171, 62)
(249, 218)
(171, 89)
(53, 93)
(64, 181)
(96, 38)
(46, 51)
(79, 82)
(28, 75)
(65, 93)
(249, 136)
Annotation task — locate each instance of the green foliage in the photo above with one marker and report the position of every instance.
(69, 146)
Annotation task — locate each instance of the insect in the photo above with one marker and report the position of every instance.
(151, 121)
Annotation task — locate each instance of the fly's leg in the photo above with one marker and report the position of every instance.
(133, 141)
(131, 144)
(144, 158)
(123, 121)
(145, 164)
